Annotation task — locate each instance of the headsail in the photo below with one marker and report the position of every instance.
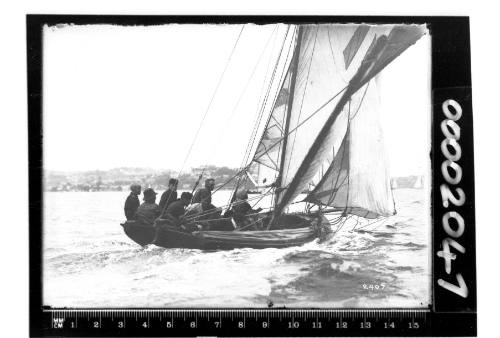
(266, 156)
(318, 139)
(358, 179)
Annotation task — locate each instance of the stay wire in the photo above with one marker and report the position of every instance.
(212, 99)
(214, 149)
(274, 33)
(256, 124)
(243, 164)
(278, 142)
(206, 112)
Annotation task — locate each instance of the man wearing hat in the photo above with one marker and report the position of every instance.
(204, 195)
(241, 207)
(149, 210)
(169, 195)
(177, 209)
(132, 202)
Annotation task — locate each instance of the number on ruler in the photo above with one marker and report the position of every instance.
(366, 325)
(413, 325)
(341, 325)
(389, 325)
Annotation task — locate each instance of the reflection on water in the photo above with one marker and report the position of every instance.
(90, 262)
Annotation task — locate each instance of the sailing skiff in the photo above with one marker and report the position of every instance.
(323, 112)
(293, 230)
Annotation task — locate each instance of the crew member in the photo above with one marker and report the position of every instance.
(169, 195)
(241, 207)
(204, 195)
(177, 208)
(132, 202)
(149, 210)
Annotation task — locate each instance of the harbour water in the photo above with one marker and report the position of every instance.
(88, 261)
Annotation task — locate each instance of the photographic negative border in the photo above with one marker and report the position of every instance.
(453, 310)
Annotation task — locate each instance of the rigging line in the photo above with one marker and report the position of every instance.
(330, 165)
(333, 56)
(212, 98)
(211, 211)
(263, 195)
(230, 179)
(332, 197)
(278, 89)
(357, 223)
(261, 100)
(303, 96)
(228, 204)
(360, 103)
(348, 134)
(266, 152)
(250, 146)
(282, 77)
(286, 71)
(244, 167)
(343, 220)
(214, 149)
(370, 223)
(279, 86)
(283, 116)
(336, 221)
(235, 189)
(248, 225)
(308, 118)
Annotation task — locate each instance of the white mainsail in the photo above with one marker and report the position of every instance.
(330, 56)
(358, 180)
(329, 81)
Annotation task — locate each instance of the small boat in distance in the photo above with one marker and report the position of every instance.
(323, 113)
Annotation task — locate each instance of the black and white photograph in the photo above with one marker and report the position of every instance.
(236, 165)
(318, 171)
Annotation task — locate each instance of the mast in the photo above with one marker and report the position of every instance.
(295, 63)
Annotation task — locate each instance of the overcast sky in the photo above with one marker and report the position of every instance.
(135, 96)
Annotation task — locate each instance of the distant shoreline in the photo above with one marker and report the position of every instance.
(120, 179)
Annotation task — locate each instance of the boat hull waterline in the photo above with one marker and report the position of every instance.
(302, 229)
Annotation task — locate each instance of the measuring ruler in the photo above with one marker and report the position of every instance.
(235, 322)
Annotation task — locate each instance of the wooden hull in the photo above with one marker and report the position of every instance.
(174, 237)
(139, 233)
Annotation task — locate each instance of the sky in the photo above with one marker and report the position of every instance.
(118, 96)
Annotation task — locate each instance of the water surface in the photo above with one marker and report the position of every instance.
(90, 262)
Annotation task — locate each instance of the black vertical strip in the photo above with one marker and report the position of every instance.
(289, 109)
(35, 167)
(451, 80)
